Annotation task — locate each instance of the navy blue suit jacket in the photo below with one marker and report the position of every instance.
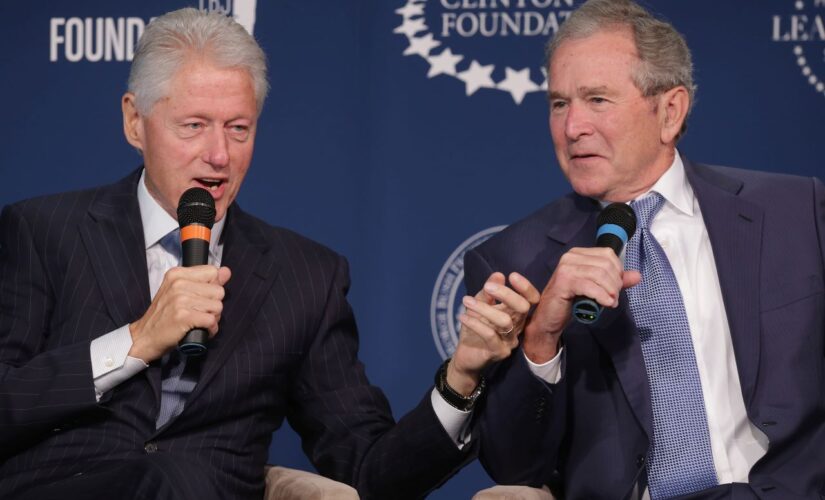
(588, 435)
(73, 267)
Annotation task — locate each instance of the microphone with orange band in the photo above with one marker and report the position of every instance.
(196, 216)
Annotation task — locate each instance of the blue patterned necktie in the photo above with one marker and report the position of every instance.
(176, 381)
(679, 458)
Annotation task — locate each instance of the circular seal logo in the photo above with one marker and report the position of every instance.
(485, 44)
(450, 284)
(804, 30)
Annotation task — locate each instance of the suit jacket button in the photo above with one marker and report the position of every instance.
(151, 447)
(640, 461)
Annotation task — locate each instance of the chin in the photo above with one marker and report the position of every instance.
(220, 213)
(588, 189)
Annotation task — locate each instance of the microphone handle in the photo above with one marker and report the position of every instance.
(194, 252)
(586, 310)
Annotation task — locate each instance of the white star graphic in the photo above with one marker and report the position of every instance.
(411, 10)
(477, 77)
(410, 27)
(443, 63)
(422, 46)
(543, 85)
(518, 83)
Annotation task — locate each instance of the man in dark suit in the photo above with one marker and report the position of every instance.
(96, 402)
(705, 375)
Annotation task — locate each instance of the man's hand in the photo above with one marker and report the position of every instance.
(189, 297)
(596, 273)
(490, 328)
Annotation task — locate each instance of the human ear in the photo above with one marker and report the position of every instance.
(132, 121)
(673, 108)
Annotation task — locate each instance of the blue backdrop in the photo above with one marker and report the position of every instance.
(396, 130)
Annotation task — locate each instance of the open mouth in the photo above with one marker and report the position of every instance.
(210, 184)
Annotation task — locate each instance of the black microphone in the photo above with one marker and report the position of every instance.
(616, 224)
(196, 216)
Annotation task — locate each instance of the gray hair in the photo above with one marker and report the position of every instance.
(666, 62)
(172, 38)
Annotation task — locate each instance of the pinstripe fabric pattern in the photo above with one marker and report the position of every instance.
(287, 347)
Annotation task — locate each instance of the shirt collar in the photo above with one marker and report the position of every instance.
(673, 186)
(157, 223)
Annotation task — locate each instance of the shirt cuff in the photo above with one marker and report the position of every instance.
(111, 364)
(550, 371)
(454, 421)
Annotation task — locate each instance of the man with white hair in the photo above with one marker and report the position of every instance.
(96, 401)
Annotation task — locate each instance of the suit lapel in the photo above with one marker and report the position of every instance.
(735, 230)
(113, 237)
(615, 331)
(254, 269)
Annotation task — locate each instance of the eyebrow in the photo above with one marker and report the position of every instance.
(583, 91)
(588, 91)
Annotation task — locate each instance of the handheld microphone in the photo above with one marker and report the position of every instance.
(616, 224)
(196, 216)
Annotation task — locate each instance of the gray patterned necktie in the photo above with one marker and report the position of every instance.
(176, 381)
(679, 459)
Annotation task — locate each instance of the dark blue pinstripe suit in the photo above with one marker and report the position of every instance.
(73, 267)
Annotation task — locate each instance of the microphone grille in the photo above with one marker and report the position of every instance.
(196, 206)
(620, 214)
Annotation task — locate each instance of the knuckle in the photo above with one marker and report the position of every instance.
(606, 251)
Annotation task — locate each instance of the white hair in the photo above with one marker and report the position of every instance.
(173, 38)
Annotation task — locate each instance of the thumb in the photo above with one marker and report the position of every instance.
(223, 275)
(631, 278)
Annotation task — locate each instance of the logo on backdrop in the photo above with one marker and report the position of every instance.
(444, 309)
(96, 39)
(803, 30)
(484, 44)
(242, 10)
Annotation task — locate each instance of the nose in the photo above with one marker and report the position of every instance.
(577, 121)
(217, 150)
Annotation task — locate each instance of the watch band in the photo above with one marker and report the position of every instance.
(453, 398)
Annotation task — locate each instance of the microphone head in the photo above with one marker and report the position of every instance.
(196, 206)
(616, 224)
(620, 214)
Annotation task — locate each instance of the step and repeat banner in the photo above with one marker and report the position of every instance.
(400, 132)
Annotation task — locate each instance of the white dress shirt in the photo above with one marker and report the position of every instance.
(736, 444)
(111, 364)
